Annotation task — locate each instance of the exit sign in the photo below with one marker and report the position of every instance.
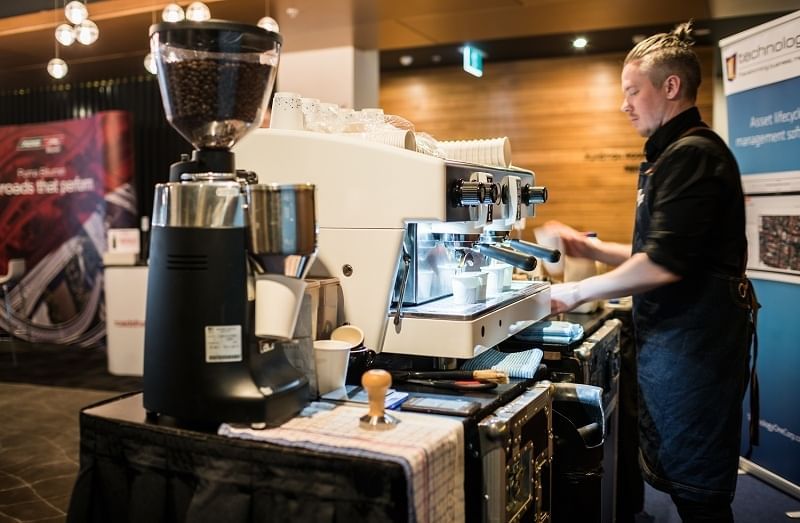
(473, 61)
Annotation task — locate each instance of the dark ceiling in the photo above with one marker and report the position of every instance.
(431, 31)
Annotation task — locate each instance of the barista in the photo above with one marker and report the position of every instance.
(685, 269)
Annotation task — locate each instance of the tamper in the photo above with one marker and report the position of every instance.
(376, 382)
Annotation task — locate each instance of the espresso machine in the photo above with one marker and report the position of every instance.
(396, 224)
(227, 255)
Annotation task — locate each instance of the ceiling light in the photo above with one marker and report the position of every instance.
(198, 12)
(269, 23)
(150, 63)
(637, 38)
(292, 12)
(76, 12)
(702, 31)
(406, 60)
(580, 42)
(172, 13)
(436, 58)
(87, 32)
(57, 68)
(65, 34)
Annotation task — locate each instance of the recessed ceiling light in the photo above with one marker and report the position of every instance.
(436, 58)
(637, 38)
(580, 42)
(406, 60)
(292, 12)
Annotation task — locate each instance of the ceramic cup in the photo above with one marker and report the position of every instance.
(349, 334)
(508, 274)
(466, 288)
(446, 271)
(330, 362)
(496, 279)
(483, 283)
(359, 362)
(424, 284)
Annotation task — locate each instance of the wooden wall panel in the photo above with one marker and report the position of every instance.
(563, 118)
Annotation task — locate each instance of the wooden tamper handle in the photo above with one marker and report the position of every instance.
(376, 382)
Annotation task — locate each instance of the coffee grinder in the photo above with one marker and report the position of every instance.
(227, 255)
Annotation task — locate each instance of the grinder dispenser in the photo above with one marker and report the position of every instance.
(227, 257)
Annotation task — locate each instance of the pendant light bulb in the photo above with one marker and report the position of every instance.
(172, 13)
(269, 23)
(87, 32)
(76, 12)
(150, 63)
(57, 68)
(65, 34)
(198, 12)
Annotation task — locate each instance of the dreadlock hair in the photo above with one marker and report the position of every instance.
(666, 54)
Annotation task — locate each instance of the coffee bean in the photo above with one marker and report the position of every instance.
(203, 91)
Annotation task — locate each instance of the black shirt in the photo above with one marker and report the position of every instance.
(695, 196)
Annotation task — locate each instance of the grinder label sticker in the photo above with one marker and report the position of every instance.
(223, 343)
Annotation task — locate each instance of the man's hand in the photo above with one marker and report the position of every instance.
(564, 297)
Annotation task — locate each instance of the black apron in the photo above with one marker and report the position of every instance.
(693, 339)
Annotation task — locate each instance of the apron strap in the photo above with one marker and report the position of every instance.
(755, 414)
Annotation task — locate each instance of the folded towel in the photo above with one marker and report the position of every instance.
(429, 448)
(522, 364)
(555, 340)
(553, 328)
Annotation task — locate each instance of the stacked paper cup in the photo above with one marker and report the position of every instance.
(491, 151)
(396, 138)
(287, 111)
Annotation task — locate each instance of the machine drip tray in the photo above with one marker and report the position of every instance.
(447, 309)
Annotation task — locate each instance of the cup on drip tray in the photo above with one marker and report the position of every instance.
(496, 279)
(466, 288)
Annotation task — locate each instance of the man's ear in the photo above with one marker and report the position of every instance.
(672, 86)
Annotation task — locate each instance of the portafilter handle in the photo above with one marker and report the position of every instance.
(534, 249)
(517, 259)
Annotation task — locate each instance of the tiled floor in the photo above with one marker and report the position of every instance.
(39, 439)
(39, 449)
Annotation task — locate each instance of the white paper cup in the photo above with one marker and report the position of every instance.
(496, 279)
(396, 138)
(330, 362)
(490, 151)
(466, 288)
(287, 112)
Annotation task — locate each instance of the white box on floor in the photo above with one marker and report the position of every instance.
(126, 297)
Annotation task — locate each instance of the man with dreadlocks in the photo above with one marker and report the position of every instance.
(692, 311)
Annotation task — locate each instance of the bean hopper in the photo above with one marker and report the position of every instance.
(227, 255)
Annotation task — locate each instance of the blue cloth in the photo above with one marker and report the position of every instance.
(522, 364)
(552, 332)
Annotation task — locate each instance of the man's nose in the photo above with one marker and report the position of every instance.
(625, 107)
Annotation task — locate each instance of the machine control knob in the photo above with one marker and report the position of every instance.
(468, 193)
(533, 195)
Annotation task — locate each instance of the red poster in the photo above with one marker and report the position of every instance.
(62, 185)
